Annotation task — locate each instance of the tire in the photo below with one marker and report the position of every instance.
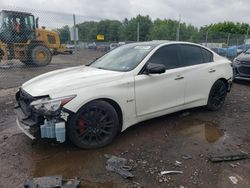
(40, 55)
(95, 125)
(217, 95)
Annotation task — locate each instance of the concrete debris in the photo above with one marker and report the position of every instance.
(51, 182)
(229, 157)
(171, 172)
(118, 165)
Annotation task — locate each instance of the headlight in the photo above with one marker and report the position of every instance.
(236, 61)
(47, 105)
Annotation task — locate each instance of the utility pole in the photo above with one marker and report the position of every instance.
(228, 38)
(178, 29)
(138, 31)
(74, 34)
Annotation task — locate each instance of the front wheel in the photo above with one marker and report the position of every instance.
(95, 125)
(40, 55)
(217, 95)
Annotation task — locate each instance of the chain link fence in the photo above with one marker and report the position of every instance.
(33, 42)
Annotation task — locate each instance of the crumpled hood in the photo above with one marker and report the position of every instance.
(69, 79)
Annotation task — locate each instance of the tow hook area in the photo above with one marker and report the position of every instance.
(54, 128)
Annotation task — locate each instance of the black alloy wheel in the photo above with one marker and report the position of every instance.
(95, 125)
(217, 95)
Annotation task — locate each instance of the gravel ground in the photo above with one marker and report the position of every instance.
(150, 147)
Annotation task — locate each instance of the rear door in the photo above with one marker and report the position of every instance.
(199, 72)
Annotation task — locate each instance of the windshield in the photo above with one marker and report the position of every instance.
(13, 20)
(123, 58)
(247, 51)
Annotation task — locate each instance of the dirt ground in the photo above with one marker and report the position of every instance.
(150, 147)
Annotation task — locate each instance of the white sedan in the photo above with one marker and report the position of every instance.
(132, 83)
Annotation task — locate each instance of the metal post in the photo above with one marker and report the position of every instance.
(74, 32)
(138, 31)
(178, 29)
(206, 37)
(246, 37)
(228, 38)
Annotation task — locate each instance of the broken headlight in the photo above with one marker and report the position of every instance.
(47, 106)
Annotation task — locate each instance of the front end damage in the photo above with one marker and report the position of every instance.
(42, 117)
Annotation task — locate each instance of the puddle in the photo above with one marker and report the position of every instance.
(70, 162)
(206, 131)
(65, 160)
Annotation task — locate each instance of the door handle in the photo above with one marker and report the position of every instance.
(212, 70)
(179, 77)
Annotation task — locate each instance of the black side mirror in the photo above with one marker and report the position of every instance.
(154, 68)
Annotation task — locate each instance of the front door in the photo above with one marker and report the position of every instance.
(158, 92)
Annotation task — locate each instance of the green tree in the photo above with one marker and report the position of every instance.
(64, 34)
(130, 28)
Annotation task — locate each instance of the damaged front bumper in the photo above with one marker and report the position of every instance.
(53, 128)
(36, 125)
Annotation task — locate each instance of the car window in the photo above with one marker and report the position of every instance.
(167, 55)
(207, 56)
(191, 55)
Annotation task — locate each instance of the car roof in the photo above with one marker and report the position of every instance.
(156, 43)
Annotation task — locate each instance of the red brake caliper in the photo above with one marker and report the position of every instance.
(81, 126)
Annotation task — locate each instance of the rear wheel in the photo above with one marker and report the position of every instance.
(40, 55)
(217, 95)
(95, 125)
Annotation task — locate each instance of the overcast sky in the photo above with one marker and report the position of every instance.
(196, 12)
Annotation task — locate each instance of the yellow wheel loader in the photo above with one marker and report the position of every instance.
(21, 39)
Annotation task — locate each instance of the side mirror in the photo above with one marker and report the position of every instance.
(37, 22)
(153, 68)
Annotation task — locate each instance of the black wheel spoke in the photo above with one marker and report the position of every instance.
(105, 132)
(82, 136)
(90, 137)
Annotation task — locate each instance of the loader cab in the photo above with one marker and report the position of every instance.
(16, 27)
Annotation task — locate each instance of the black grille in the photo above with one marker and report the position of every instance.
(24, 99)
(244, 70)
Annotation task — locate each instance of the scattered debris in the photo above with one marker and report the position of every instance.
(230, 157)
(9, 102)
(233, 165)
(118, 165)
(5, 137)
(233, 179)
(51, 182)
(137, 185)
(171, 172)
(186, 157)
(184, 114)
(178, 163)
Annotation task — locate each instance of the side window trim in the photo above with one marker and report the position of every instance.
(210, 53)
(182, 58)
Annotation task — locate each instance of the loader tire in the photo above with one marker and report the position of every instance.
(40, 55)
